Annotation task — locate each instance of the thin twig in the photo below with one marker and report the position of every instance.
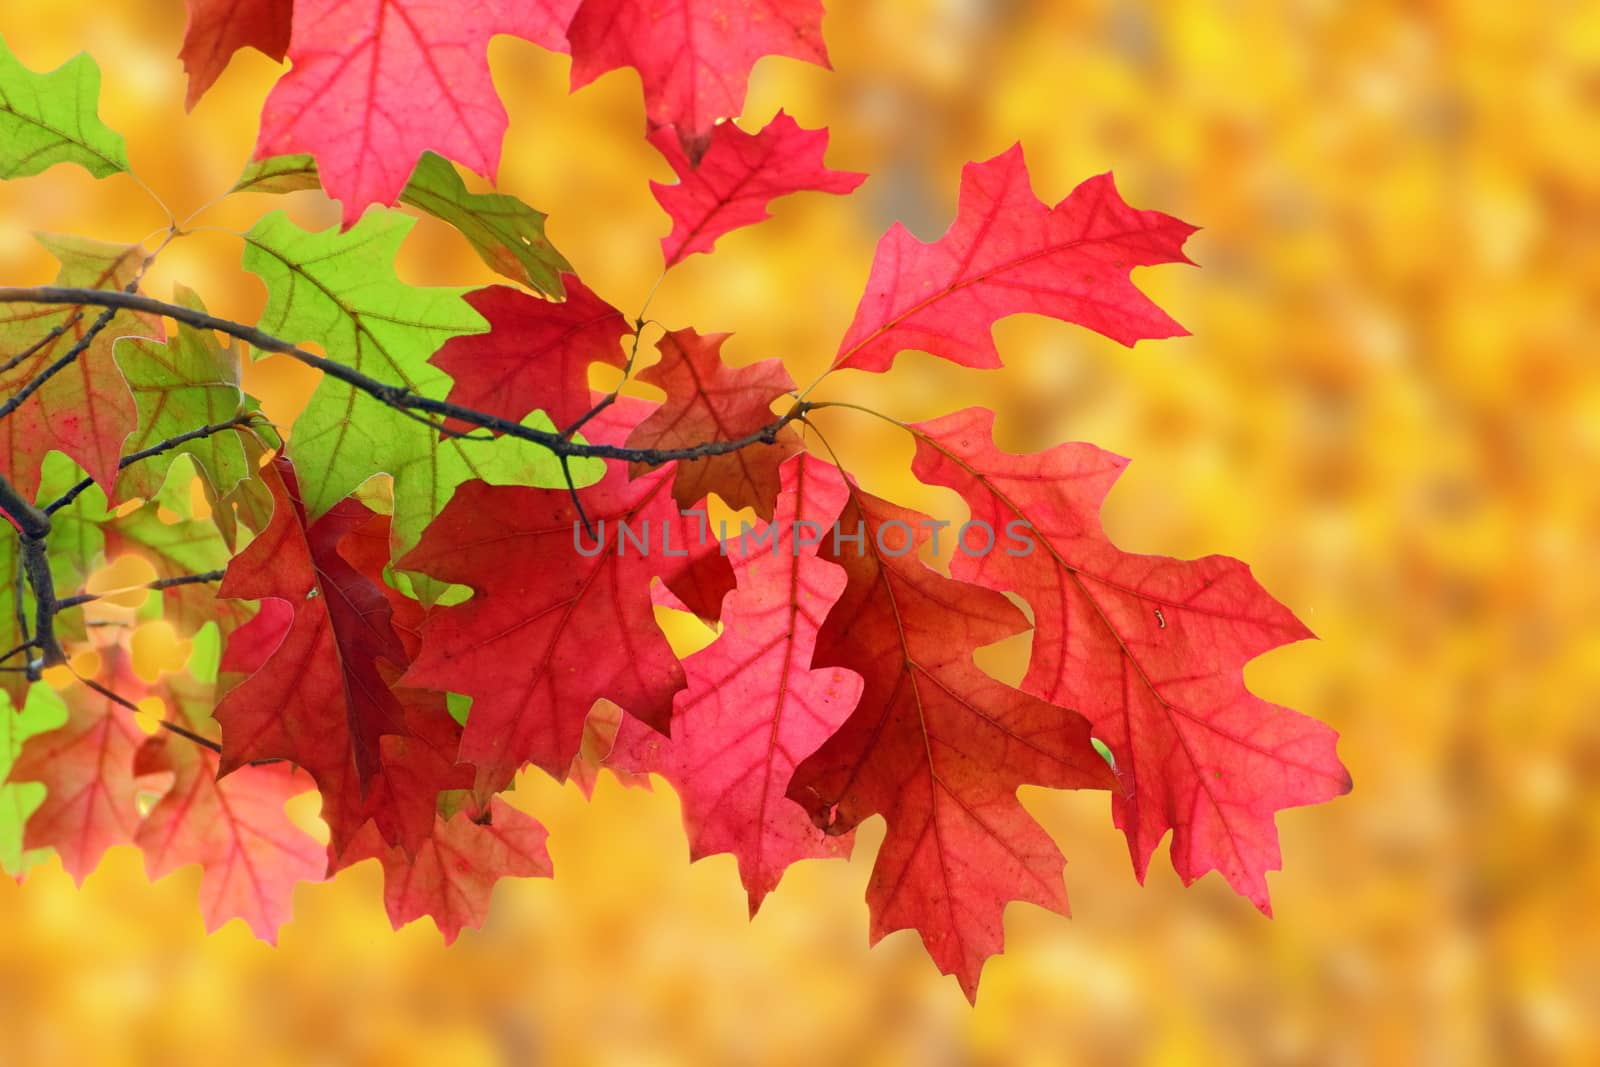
(189, 735)
(160, 583)
(8, 653)
(242, 420)
(182, 731)
(43, 342)
(611, 397)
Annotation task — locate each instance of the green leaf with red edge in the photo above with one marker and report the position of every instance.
(1150, 649)
(1007, 252)
(84, 410)
(251, 856)
(753, 709)
(707, 401)
(507, 234)
(937, 747)
(739, 175)
(693, 56)
(452, 876)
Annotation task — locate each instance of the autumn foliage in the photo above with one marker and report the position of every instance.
(406, 645)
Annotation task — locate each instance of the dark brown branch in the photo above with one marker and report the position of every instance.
(33, 526)
(36, 566)
(32, 522)
(395, 396)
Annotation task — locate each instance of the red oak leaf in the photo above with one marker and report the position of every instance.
(740, 174)
(375, 83)
(250, 854)
(320, 699)
(86, 766)
(557, 620)
(219, 28)
(752, 709)
(709, 401)
(1008, 253)
(536, 355)
(693, 56)
(1150, 649)
(452, 876)
(936, 746)
(84, 410)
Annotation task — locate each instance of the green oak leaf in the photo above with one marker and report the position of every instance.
(41, 711)
(507, 234)
(51, 118)
(340, 290)
(189, 382)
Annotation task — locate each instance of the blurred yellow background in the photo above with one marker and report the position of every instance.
(1390, 406)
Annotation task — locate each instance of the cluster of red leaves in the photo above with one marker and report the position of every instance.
(842, 683)
(375, 83)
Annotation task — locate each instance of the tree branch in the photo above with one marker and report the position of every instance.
(393, 396)
(33, 526)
